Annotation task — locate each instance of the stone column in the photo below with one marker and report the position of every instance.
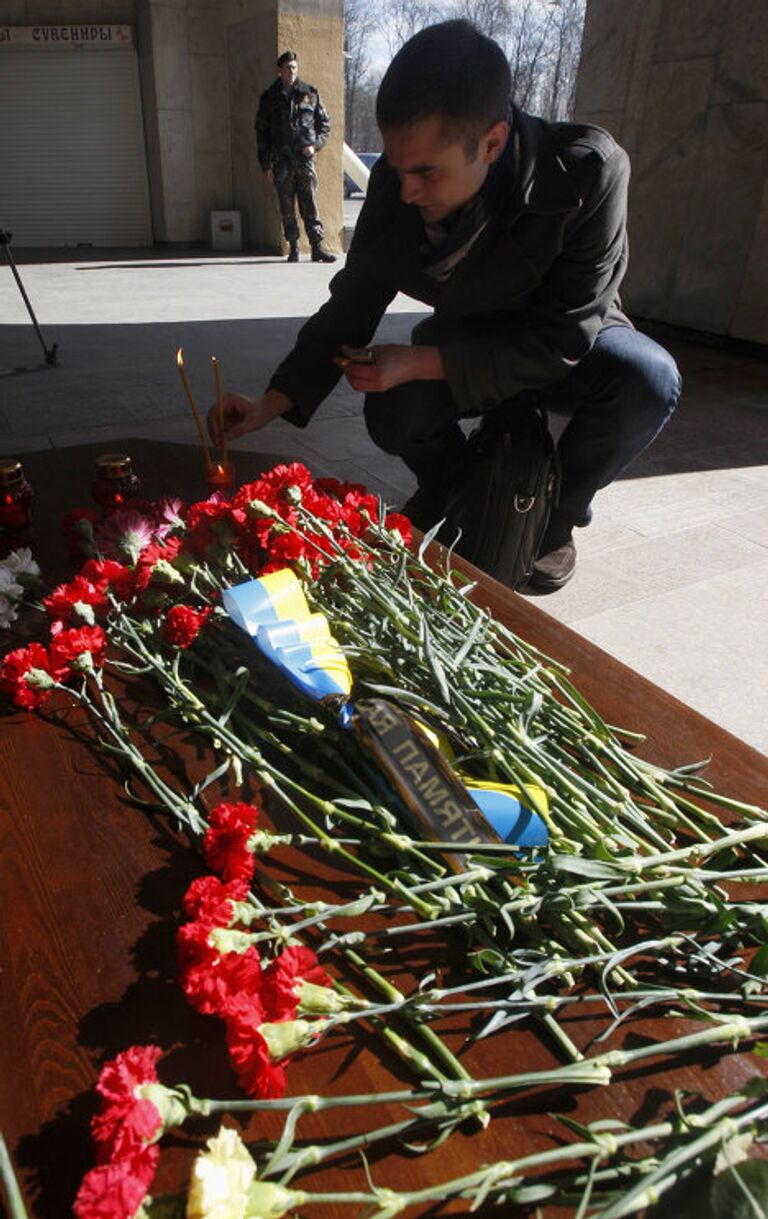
(683, 85)
(203, 64)
(256, 32)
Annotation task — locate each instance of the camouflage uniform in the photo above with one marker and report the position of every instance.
(284, 125)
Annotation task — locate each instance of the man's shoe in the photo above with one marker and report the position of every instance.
(293, 254)
(554, 569)
(320, 254)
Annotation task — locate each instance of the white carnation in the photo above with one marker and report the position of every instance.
(9, 587)
(21, 563)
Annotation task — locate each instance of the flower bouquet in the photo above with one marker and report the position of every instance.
(641, 900)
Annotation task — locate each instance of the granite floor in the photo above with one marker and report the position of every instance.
(672, 575)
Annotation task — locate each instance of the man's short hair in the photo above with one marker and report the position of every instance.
(286, 57)
(450, 70)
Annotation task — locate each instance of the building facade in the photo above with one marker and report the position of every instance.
(127, 122)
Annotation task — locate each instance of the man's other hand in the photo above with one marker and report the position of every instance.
(393, 364)
(308, 150)
(268, 175)
(242, 414)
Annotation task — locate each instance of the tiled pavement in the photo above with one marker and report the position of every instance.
(673, 572)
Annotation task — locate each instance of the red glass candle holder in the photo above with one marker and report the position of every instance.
(115, 484)
(16, 496)
(221, 477)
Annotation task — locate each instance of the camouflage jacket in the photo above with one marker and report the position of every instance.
(284, 125)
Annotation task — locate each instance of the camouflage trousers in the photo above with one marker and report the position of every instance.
(296, 181)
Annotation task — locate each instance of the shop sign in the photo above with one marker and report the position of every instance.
(65, 37)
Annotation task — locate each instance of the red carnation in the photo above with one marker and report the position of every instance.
(400, 524)
(109, 574)
(182, 624)
(131, 1069)
(209, 522)
(209, 901)
(28, 675)
(283, 480)
(78, 650)
(337, 489)
(283, 979)
(124, 1129)
(259, 1076)
(225, 844)
(116, 1191)
(153, 554)
(325, 506)
(78, 601)
(210, 979)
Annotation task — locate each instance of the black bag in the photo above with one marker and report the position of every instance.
(503, 496)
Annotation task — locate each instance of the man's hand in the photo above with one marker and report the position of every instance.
(308, 149)
(393, 364)
(268, 175)
(242, 414)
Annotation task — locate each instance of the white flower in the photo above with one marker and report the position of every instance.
(220, 1179)
(8, 612)
(21, 563)
(9, 587)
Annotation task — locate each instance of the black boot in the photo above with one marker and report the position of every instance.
(293, 254)
(320, 254)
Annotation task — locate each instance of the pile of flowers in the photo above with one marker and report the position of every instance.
(148, 558)
(636, 868)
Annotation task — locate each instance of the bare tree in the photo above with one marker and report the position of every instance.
(491, 17)
(568, 25)
(367, 134)
(528, 50)
(541, 39)
(399, 20)
(359, 27)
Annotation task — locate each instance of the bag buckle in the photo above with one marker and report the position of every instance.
(524, 503)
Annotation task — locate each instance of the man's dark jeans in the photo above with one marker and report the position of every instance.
(617, 399)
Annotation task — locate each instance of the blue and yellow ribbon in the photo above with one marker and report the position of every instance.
(274, 612)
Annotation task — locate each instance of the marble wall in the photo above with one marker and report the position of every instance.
(683, 85)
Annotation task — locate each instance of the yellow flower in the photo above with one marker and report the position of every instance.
(221, 1178)
(268, 1201)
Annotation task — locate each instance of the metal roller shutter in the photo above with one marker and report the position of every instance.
(72, 160)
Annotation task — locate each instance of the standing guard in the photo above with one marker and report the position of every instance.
(291, 126)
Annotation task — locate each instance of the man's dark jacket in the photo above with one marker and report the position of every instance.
(285, 125)
(524, 305)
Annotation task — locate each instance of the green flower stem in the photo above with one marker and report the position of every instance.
(699, 849)
(631, 770)
(653, 1175)
(13, 1196)
(120, 743)
(403, 1048)
(393, 995)
(559, 1035)
(651, 1187)
(592, 1072)
(295, 1161)
(712, 797)
(267, 774)
(533, 1003)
